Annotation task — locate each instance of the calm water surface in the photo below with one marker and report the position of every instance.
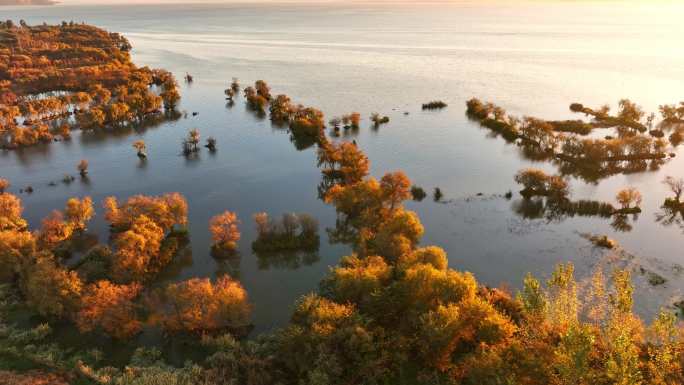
(531, 59)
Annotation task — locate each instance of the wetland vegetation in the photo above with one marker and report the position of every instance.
(392, 311)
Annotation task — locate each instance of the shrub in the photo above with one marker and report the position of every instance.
(418, 193)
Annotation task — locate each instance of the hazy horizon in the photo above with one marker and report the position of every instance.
(111, 2)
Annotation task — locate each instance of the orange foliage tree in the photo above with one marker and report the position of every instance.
(165, 211)
(136, 249)
(198, 305)
(111, 308)
(78, 212)
(10, 213)
(54, 230)
(4, 185)
(224, 230)
(51, 289)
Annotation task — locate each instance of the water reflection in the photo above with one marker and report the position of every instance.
(302, 142)
(32, 155)
(290, 260)
(107, 134)
(142, 163)
(182, 260)
(555, 211)
(669, 215)
(228, 266)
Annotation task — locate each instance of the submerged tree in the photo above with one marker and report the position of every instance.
(82, 168)
(676, 185)
(263, 89)
(141, 148)
(211, 144)
(235, 85)
(230, 94)
(194, 138)
(293, 232)
(281, 109)
(224, 230)
(537, 182)
(378, 120)
(351, 120)
(628, 197)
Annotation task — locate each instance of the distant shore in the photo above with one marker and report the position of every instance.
(28, 2)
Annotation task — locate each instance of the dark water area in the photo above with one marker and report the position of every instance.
(531, 59)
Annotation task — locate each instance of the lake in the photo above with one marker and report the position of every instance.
(531, 58)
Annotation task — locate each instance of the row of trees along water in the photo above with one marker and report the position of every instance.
(57, 78)
(391, 312)
(634, 145)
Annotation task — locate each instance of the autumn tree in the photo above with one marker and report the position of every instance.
(378, 119)
(17, 250)
(630, 111)
(255, 100)
(293, 232)
(344, 161)
(50, 289)
(623, 333)
(396, 188)
(141, 148)
(54, 230)
(628, 197)
(351, 120)
(166, 211)
(111, 308)
(192, 140)
(355, 279)
(224, 230)
(82, 168)
(676, 185)
(307, 122)
(136, 249)
(281, 109)
(78, 212)
(263, 89)
(537, 182)
(664, 356)
(170, 95)
(263, 224)
(4, 185)
(230, 94)
(11, 210)
(235, 85)
(198, 305)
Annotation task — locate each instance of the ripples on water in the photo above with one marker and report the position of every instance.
(530, 58)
